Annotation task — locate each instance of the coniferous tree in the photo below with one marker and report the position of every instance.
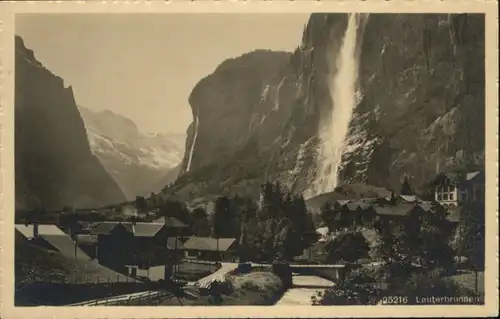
(222, 217)
(406, 189)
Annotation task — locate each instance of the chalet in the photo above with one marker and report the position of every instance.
(49, 237)
(396, 214)
(209, 248)
(453, 189)
(365, 212)
(128, 246)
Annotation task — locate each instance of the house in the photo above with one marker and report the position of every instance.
(129, 246)
(396, 214)
(209, 248)
(452, 189)
(49, 237)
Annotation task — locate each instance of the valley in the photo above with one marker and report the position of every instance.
(351, 166)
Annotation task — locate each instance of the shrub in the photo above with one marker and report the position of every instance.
(430, 284)
(358, 288)
(350, 247)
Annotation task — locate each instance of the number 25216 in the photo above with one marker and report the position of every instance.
(394, 300)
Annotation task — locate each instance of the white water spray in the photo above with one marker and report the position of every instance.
(344, 100)
(191, 151)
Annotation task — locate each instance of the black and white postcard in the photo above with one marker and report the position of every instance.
(249, 159)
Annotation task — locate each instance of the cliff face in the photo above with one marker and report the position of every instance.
(421, 108)
(137, 161)
(53, 162)
(227, 104)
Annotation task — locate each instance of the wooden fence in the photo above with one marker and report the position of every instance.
(148, 298)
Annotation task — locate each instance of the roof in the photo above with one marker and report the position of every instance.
(209, 243)
(104, 228)
(458, 177)
(471, 175)
(27, 231)
(352, 206)
(396, 210)
(85, 224)
(65, 245)
(342, 202)
(174, 243)
(425, 205)
(171, 222)
(143, 229)
(139, 229)
(409, 198)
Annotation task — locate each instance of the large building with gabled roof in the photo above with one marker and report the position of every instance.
(133, 246)
(451, 189)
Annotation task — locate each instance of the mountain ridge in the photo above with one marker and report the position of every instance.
(137, 161)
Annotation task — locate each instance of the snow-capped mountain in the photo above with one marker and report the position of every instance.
(136, 160)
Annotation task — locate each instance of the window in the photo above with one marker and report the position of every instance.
(452, 188)
(440, 197)
(451, 196)
(445, 196)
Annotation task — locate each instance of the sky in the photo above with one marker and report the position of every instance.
(145, 66)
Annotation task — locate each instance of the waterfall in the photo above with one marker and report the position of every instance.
(333, 132)
(191, 151)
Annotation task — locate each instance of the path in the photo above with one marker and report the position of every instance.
(304, 288)
(220, 273)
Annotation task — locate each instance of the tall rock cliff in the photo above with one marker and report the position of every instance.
(137, 161)
(228, 102)
(421, 108)
(54, 166)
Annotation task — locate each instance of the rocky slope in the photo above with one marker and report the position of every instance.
(53, 162)
(421, 108)
(137, 161)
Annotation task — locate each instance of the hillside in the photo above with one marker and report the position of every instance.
(53, 162)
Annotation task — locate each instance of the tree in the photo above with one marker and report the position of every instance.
(200, 223)
(435, 244)
(358, 288)
(429, 284)
(406, 189)
(176, 209)
(386, 248)
(140, 203)
(409, 239)
(469, 237)
(222, 217)
(349, 246)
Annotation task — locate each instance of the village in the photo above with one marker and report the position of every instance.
(154, 262)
